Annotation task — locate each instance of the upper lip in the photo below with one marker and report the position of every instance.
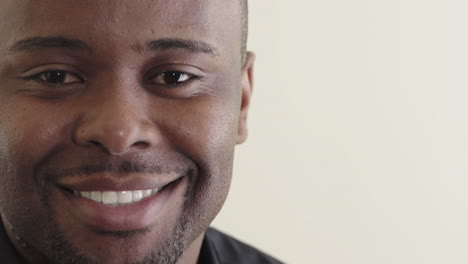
(112, 182)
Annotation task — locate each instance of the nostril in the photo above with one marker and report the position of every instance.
(96, 143)
(141, 144)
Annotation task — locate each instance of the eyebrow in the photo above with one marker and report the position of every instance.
(177, 43)
(33, 43)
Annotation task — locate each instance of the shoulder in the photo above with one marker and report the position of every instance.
(229, 250)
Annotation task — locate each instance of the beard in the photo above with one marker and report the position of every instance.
(196, 213)
(164, 252)
(206, 191)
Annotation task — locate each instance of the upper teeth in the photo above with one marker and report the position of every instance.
(116, 198)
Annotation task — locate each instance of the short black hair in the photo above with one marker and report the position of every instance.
(244, 28)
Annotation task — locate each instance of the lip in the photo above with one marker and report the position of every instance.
(109, 182)
(139, 215)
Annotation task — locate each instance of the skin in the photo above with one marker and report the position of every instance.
(115, 109)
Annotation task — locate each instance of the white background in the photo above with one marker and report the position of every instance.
(358, 146)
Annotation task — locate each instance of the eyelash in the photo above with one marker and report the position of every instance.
(67, 74)
(63, 74)
(189, 78)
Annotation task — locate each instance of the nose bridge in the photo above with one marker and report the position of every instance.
(116, 121)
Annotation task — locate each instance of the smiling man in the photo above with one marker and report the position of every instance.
(118, 124)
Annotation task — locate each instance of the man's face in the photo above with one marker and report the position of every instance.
(111, 100)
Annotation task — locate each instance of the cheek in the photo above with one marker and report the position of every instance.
(26, 134)
(208, 137)
(211, 125)
(206, 132)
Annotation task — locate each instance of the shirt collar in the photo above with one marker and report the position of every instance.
(7, 252)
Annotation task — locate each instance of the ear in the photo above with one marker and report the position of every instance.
(247, 87)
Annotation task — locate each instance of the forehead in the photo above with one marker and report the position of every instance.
(216, 21)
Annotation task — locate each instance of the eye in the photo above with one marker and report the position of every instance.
(172, 78)
(57, 77)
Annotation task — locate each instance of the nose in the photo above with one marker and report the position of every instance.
(117, 126)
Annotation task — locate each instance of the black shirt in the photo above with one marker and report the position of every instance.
(217, 248)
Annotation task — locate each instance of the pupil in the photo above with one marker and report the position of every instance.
(171, 77)
(56, 77)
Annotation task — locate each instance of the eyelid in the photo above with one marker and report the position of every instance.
(37, 77)
(193, 72)
(175, 67)
(42, 69)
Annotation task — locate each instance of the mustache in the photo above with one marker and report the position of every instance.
(123, 167)
(58, 166)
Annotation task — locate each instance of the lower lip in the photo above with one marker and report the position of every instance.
(129, 217)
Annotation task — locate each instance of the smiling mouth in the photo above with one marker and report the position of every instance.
(102, 202)
(119, 198)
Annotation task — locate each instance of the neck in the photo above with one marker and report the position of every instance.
(192, 253)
